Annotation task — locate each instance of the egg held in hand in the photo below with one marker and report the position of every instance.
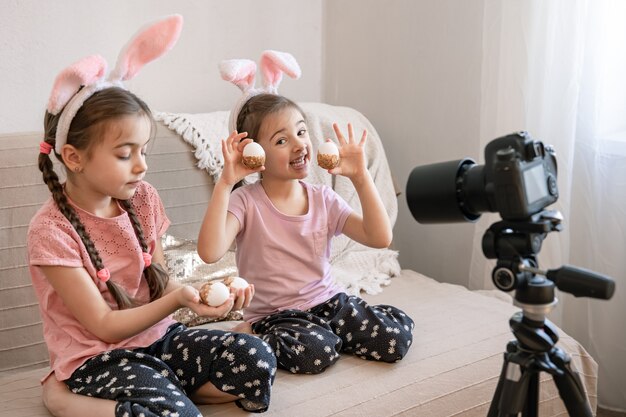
(253, 155)
(236, 282)
(328, 155)
(214, 293)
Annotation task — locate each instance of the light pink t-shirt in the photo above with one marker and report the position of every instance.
(52, 241)
(286, 257)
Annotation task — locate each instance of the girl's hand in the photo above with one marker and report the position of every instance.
(232, 150)
(190, 297)
(351, 154)
(243, 296)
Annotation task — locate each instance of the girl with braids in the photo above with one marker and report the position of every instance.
(96, 264)
(298, 308)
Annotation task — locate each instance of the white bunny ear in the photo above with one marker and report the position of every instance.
(148, 44)
(87, 71)
(240, 72)
(273, 64)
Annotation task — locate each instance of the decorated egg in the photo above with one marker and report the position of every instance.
(328, 155)
(236, 282)
(214, 293)
(253, 155)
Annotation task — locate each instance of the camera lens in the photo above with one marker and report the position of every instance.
(447, 192)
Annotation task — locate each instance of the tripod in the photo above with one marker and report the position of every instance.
(532, 352)
(515, 245)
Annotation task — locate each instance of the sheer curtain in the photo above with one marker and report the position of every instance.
(558, 70)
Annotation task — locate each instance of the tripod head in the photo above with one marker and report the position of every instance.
(515, 245)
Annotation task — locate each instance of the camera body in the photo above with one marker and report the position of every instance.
(517, 181)
(522, 173)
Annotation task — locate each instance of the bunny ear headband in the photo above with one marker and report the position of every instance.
(242, 72)
(152, 41)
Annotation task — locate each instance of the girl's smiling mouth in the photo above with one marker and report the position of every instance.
(299, 162)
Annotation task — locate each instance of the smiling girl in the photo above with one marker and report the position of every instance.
(283, 227)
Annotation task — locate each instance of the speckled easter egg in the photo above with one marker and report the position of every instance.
(214, 293)
(236, 282)
(328, 155)
(253, 155)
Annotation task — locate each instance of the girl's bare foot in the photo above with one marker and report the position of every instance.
(61, 402)
(243, 327)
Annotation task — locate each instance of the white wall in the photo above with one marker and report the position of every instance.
(414, 68)
(39, 38)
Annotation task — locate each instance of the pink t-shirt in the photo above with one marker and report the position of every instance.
(52, 241)
(286, 257)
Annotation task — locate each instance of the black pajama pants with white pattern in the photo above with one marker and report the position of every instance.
(310, 341)
(156, 380)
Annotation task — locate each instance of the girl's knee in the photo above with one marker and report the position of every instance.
(307, 364)
(244, 371)
(396, 345)
(310, 354)
(250, 349)
(385, 344)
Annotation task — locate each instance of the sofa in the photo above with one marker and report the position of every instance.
(460, 335)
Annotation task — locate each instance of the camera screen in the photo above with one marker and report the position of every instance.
(535, 184)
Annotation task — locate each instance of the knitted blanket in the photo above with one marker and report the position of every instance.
(354, 266)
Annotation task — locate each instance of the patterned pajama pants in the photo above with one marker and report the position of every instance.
(156, 380)
(310, 341)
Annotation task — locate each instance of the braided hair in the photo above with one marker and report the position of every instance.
(104, 106)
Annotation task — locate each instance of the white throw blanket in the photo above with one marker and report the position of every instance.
(354, 266)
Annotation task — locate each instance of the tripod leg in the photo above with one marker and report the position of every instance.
(570, 386)
(531, 408)
(510, 395)
(494, 407)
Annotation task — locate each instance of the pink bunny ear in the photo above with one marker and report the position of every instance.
(87, 71)
(147, 45)
(274, 64)
(240, 72)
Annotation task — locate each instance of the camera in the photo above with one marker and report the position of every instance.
(517, 181)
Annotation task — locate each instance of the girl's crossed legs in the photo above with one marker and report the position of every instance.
(310, 341)
(208, 366)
